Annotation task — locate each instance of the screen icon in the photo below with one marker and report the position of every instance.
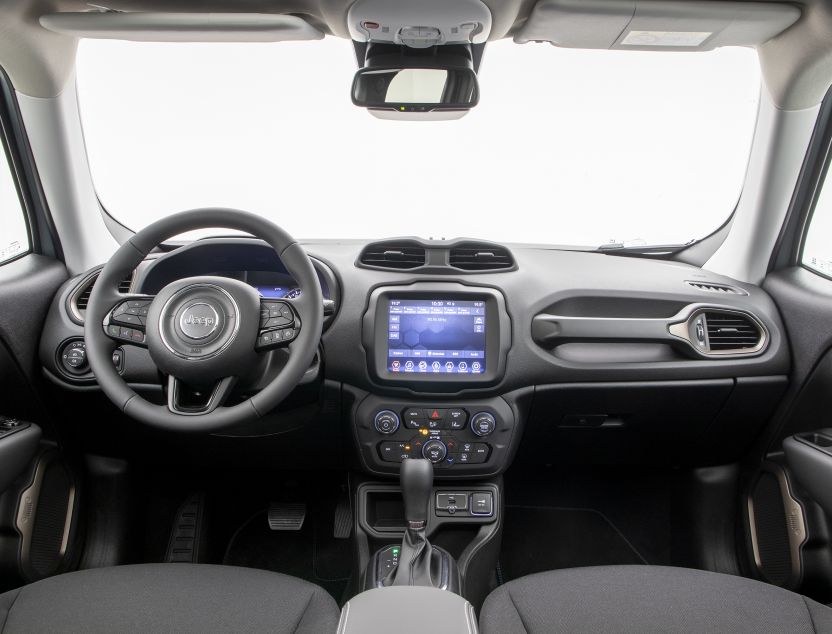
(408, 365)
(475, 366)
(463, 366)
(449, 366)
(396, 365)
(435, 365)
(423, 365)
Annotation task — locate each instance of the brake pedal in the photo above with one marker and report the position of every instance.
(286, 517)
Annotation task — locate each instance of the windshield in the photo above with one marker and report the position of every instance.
(568, 147)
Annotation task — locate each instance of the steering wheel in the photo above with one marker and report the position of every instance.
(203, 331)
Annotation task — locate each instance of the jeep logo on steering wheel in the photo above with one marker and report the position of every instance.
(199, 320)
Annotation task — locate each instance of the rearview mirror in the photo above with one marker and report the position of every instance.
(415, 89)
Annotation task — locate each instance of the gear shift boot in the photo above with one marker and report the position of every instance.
(416, 562)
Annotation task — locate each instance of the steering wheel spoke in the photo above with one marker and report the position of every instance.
(279, 324)
(126, 322)
(188, 401)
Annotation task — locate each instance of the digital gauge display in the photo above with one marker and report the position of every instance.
(278, 292)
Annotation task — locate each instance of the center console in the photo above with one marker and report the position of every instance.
(436, 354)
(435, 338)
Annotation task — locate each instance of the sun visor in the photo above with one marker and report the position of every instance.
(655, 25)
(181, 27)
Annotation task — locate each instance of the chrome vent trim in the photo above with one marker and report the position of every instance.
(715, 287)
(722, 332)
(481, 257)
(393, 255)
(80, 296)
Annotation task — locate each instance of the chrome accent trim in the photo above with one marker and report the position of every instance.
(26, 514)
(212, 404)
(795, 523)
(681, 329)
(221, 349)
(214, 326)
(72, 301)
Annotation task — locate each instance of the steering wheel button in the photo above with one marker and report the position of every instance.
(113, 330)
(120, 309)
(125, 318)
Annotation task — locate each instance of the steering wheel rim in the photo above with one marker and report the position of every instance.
(105, 296)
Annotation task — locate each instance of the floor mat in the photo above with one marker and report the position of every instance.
(537, 539)
(311, 553)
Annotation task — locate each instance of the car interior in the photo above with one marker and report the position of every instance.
(447, 316)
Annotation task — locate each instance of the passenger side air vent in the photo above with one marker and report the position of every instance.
(731, 332)
(712, 287)
(718, 332)
(393, 255)
(472, 256)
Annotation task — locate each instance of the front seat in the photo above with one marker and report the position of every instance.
(647, 599)
(169, 598)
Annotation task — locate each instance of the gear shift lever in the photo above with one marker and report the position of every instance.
(416, 479)
(420, 564)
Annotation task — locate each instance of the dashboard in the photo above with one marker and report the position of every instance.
(476, 355)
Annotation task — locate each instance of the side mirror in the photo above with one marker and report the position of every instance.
(415, 89)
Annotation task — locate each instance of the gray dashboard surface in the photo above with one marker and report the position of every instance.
(574, 284)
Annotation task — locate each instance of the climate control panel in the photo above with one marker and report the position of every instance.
(465, 438)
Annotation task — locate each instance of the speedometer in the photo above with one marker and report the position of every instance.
(292, 293)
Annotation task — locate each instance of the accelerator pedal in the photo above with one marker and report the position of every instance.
(343, 519)
(286, 517)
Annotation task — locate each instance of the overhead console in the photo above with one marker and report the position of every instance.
(439, 337)
(655, 25)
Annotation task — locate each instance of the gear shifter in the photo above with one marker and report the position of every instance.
(420, 564)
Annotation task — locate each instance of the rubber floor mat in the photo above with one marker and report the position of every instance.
(537, 539)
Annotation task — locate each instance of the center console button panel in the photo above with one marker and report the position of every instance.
(461, 438)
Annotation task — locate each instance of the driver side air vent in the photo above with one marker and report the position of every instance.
(393, 255)
(473, 256)
(730, 332)
(80, 297)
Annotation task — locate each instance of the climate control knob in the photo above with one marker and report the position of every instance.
(386, 421)
(434, 450)
(483, 423)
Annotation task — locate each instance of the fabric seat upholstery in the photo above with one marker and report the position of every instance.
(169, 598)
(647, 599)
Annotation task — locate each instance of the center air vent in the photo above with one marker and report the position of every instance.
(731, 332)
(473, 256)
(393, 255)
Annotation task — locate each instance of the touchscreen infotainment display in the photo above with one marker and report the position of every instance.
(436, 336)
